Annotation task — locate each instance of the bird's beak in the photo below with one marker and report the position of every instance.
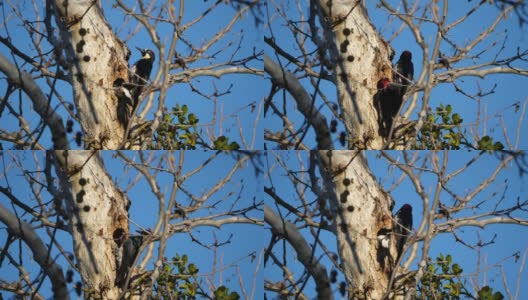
(139, 49)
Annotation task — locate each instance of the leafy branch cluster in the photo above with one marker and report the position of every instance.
(179, 130)
(443, 130)
(179, 281)
(443, 281)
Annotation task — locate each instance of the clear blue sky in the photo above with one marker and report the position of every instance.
(502, 192)
(497, 107)
(233, 113)
(237, 194)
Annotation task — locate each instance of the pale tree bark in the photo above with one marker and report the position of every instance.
(95, 58)
(99, 219)
(360, 208)
(353, 208)
(361, 58)
(346, 50)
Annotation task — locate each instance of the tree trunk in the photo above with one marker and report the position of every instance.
(360, 208)
(97, 213)
(95, 59)
(361, 58)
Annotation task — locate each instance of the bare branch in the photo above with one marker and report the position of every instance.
(40, 252)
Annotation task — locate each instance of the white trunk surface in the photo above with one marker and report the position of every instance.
(96, 58)
(361, 58)
(96, 210)
(360, 208)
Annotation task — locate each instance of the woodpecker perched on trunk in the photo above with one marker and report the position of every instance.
(384, 237)
(382, 252)
(404, 71)
(383, 84)
(402, 227)
(390, 99)
(138, 75)
(124, 101)
(130, 252)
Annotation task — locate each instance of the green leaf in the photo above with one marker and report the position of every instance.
(431, 268)
(456, 119)
(456, 269)
(431, 118)
(498, 146)
(192, 269)
(485, 293)
(192, 119)
(234, 146)
(222, 293)
(485, 143)
(221, 143)
(497, 296)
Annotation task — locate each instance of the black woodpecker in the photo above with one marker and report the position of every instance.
(130, 252)
(138, 75)
(389, 97)
(402, 227)
(405, 70)
(124, 101)
(384, 237)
